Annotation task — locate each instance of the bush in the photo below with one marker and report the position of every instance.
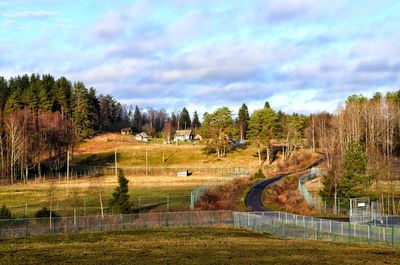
(5, 213)
(120, 196)
(259, 174)
(44, 213)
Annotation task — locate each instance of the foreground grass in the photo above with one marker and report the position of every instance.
(185, 246)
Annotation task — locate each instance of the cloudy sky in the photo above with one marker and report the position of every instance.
(303, 56)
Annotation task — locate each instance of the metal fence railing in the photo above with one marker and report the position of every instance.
(286, 225)
(279, 224)
(325, 205)
(198, 192)
(39, 226)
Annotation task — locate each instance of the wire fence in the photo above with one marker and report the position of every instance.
(198, 192)
(91, 205)
(279, 224)
(78, 224)
(325, 205)
(286, 225)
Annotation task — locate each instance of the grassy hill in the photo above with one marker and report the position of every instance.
(186, 246)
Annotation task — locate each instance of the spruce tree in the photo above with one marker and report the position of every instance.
(355, 171)
(137, 120)
(184, 119)
(196, 123)
(120, 196)
(243, 117)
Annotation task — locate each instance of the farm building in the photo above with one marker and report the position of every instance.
(198, 137)
(183, 135)
(126, 131)
(142, 137)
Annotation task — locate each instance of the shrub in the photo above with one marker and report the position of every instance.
(259, 174)
(5, 213)
(44, 213)
(120, 196)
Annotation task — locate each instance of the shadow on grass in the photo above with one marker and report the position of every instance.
(148, 207)
(83, 162)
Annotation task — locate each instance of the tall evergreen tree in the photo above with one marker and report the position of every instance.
(174, 120)
(62, 96)
(243, 118)
(81, 111)
(263, 126)
(196, 122)
(137, 120)
(120, 196)
(184, 119)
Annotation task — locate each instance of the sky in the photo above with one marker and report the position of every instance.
(302, 56)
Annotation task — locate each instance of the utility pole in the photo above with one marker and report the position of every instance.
(163, 156)
(115, 154)
(147, 163)
(67, 172)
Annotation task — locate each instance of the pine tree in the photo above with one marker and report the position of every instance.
(62, 96)
(196, 122)
(355, 171)
(184, 119)
(137, 120)
(5, 213)
(120, 196)
(83, 125)
(263, 126)
(243, 119)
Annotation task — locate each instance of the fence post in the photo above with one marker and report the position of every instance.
(84, 206)
(392, 234)
(369, 234)
(26, 227)
(167, 203)
(349, 232)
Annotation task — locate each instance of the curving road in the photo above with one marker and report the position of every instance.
(253, 199)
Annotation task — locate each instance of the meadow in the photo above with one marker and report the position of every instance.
(200, 245)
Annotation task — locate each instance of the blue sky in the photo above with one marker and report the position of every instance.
(302, 56)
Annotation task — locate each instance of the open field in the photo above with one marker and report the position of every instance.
(172, 192)
(99, 151)
(185, 246)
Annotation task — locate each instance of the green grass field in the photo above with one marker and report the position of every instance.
(186, 246)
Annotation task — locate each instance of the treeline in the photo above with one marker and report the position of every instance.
(360, 142)
(42, 117)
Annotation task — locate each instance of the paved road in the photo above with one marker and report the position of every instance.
(253, 199)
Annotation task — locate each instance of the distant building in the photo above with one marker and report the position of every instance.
(183, 135)
(142, 137)
(198, 137)
(126, 131)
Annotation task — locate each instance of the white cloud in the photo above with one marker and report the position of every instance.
(32, 14)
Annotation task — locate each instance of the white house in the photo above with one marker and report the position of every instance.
(142, 137)
(183, 135)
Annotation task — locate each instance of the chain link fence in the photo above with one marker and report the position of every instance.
(286, 225)
(325, 205)
(78, 224)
